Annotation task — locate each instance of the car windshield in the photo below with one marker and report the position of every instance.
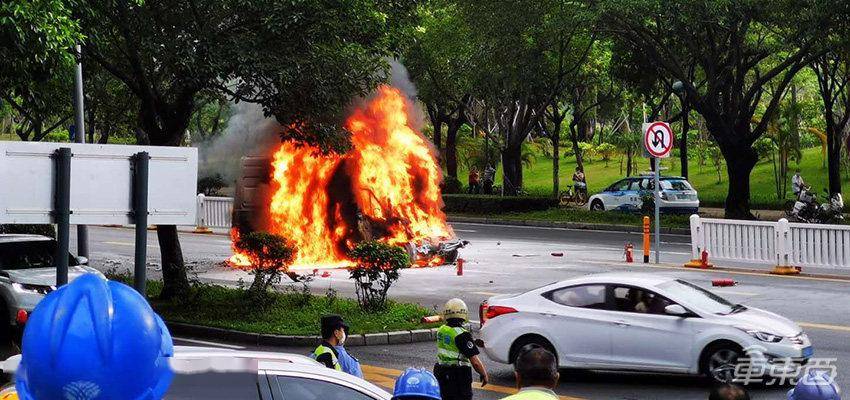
(695, 296)
(28, 255)
(675, 184)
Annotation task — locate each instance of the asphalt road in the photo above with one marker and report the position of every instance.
(504, 259)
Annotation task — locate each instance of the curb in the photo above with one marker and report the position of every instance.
(566, 225)
(263, 339)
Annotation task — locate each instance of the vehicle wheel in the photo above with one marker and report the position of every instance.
(789, 209)
(450, 257)
(564, 198)
(527, 340)
(6, 333)
(597, 205)
(581, 199)
(719, 362)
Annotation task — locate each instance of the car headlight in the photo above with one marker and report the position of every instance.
(763, 336)
(33, 289)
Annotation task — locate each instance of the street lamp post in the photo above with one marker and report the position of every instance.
(679, 89)
(79, 137)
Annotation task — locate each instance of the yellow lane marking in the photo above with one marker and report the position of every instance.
(813, 325)
(486, 293)
(386, 377)
(716, 271)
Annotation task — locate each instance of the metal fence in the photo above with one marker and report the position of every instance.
(778, 243)
(214, 212)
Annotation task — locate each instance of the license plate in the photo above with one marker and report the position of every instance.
(808, 352)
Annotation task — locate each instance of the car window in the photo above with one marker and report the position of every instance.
(26, 255)
(294, 388)
(636, 300)
(619, 186)
(635, 185)
(675, 184)
(689, 293)
(585, 296)
(214, 385)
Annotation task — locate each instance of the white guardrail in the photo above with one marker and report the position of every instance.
(213, 212)
(778, 243)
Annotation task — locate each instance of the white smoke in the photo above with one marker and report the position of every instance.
(248, 133)
(400, 79)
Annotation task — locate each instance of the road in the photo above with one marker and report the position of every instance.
(505, 259)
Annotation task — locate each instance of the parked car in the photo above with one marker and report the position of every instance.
(212, 373)
(27, 274)
(677, 195)
(642, 322)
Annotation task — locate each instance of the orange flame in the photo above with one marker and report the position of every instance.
(387, 188)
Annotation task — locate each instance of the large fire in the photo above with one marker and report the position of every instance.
(386, 188)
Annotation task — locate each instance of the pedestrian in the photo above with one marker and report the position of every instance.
(729, 391)
(94, 338)
(334, 331)
(797, 184)
(815, 386)
(489, 177)
(416, 384)
(457, 354)
(474, 186)
(536, 371)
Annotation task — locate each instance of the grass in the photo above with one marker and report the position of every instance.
(537, 179)
(286, 314)
(584, 216)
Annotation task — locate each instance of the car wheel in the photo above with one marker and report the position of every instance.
(720, 361)
(527, 340)
(597, 205)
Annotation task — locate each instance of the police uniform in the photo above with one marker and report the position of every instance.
(326, 354)
(453, 370)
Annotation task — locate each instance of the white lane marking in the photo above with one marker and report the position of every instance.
(204, 342)
(128, 244)
(552, 228)
(735, 292)
(465, 230)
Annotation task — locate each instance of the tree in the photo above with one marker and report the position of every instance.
(524, 51)
(738, 47)
(270, 256)
(376, 269)
(438, 62)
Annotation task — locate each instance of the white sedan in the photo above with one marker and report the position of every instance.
(643, 322)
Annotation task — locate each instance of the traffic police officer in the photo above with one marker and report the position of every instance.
(457, 354)
(334, 331)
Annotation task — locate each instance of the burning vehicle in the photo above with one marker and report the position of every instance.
(386, 188)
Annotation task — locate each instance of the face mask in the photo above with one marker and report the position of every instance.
(341, 339)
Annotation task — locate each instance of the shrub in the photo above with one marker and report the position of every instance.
(270, 256)
(606, 151)
(588, 151)
(452, 185)
(211, 185)
(29, 229)
(484, 204)
(376, 270)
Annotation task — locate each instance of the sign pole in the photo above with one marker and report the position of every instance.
(80, 128)
(62, 212)
(141, 163)
(657, 210)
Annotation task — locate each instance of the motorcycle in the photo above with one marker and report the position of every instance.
(807, 209)
(439, 253)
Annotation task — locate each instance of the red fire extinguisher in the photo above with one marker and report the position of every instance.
(629, 251)
(459, 267)
(704, 259)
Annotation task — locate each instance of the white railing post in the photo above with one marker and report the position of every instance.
(201, 218)
(783, 248)
(697, 238)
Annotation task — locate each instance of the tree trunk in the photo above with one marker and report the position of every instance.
(512, 170)
(175, 283)
(556, 159)
(833, 145)
(451, 147)
(576, 148)
(740, 161)
(683, 145)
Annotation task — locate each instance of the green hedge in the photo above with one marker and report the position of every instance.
(483, 204)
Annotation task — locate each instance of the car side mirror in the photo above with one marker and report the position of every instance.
(82, 260)
(675, 310)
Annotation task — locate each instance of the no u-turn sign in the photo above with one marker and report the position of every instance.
(658, 139)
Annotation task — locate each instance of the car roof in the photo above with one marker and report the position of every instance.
(642, 279)
(15, 237)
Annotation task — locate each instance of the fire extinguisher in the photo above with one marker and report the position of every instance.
(704, 258)
(629, 252)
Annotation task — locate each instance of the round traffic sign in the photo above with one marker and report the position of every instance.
(658, 139)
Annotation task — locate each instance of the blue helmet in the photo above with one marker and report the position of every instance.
(418, 383)
(94, 338)
(815, 386)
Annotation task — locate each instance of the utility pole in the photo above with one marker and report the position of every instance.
(79, 137)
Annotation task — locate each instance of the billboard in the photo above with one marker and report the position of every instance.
(101, 183)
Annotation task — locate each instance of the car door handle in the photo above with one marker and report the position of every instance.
(622, 323)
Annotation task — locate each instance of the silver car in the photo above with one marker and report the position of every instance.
(27, 274)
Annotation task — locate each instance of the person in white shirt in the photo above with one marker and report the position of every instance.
(797, 184)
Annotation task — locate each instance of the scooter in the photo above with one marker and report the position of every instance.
(443, 253)
(807, 209)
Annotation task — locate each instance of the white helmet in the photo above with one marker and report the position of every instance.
(456, 308)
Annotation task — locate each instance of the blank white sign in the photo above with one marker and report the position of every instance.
(101, 183)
